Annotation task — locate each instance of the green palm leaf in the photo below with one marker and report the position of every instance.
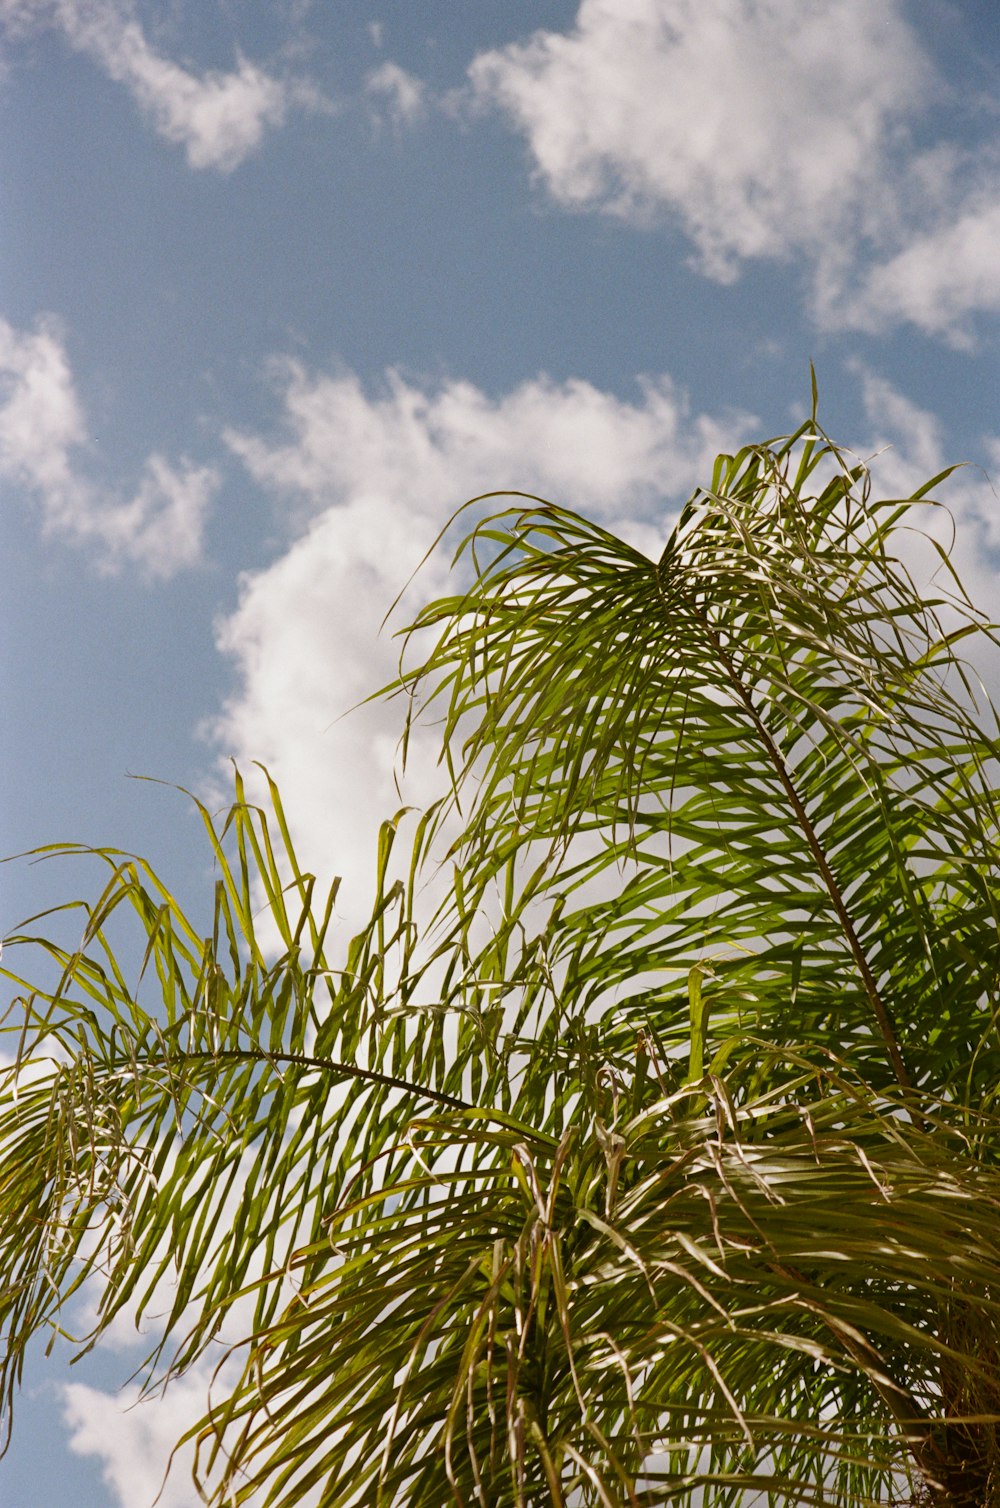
(658, 1164)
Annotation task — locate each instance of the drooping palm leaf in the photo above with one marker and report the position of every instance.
(705, 1316)
(660, 1165)
(176, 1136)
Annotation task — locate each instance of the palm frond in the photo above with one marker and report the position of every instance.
(174, 1138)
(658, 1164)
(757, 755)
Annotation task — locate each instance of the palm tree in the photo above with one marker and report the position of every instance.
(648, 1154)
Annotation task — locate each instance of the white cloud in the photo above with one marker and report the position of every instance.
(937, 280)
(377, 475)
(43, 432)
(760, 123)
(40, 416)
(161, 527)
(219, 118)
(766, 129)
(370, 478)
(906, 441)
(404, 97)
(133, 1439)
(20, 16)
(430, 449)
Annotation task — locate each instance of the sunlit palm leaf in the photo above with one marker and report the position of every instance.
(763, 747)
(177, 1137)
(663, 1160)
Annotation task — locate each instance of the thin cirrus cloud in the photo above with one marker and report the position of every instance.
(765, 129)
(43, 435)
(219, 118)
(371, 478)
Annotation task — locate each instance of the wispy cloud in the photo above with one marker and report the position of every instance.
(43, 438)
(219, 118)
(400, 95)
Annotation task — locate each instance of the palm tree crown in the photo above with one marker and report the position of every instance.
(645, 1155)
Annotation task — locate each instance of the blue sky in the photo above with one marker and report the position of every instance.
(283, 283)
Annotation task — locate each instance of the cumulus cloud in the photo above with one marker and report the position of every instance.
(132, 1439)
(40, 415)
(760, 123)
(219, 118)
(428, 449)
(373, 477)
(937, 280)
(133, 1434)
(905, 440)
(766, 129)
(369, 478)
(43, 434)
(161, 526)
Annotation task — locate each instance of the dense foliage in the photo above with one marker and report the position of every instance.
(643, 1148)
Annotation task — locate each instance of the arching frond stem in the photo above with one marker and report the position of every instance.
(881, 1014)
(302, 1060)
